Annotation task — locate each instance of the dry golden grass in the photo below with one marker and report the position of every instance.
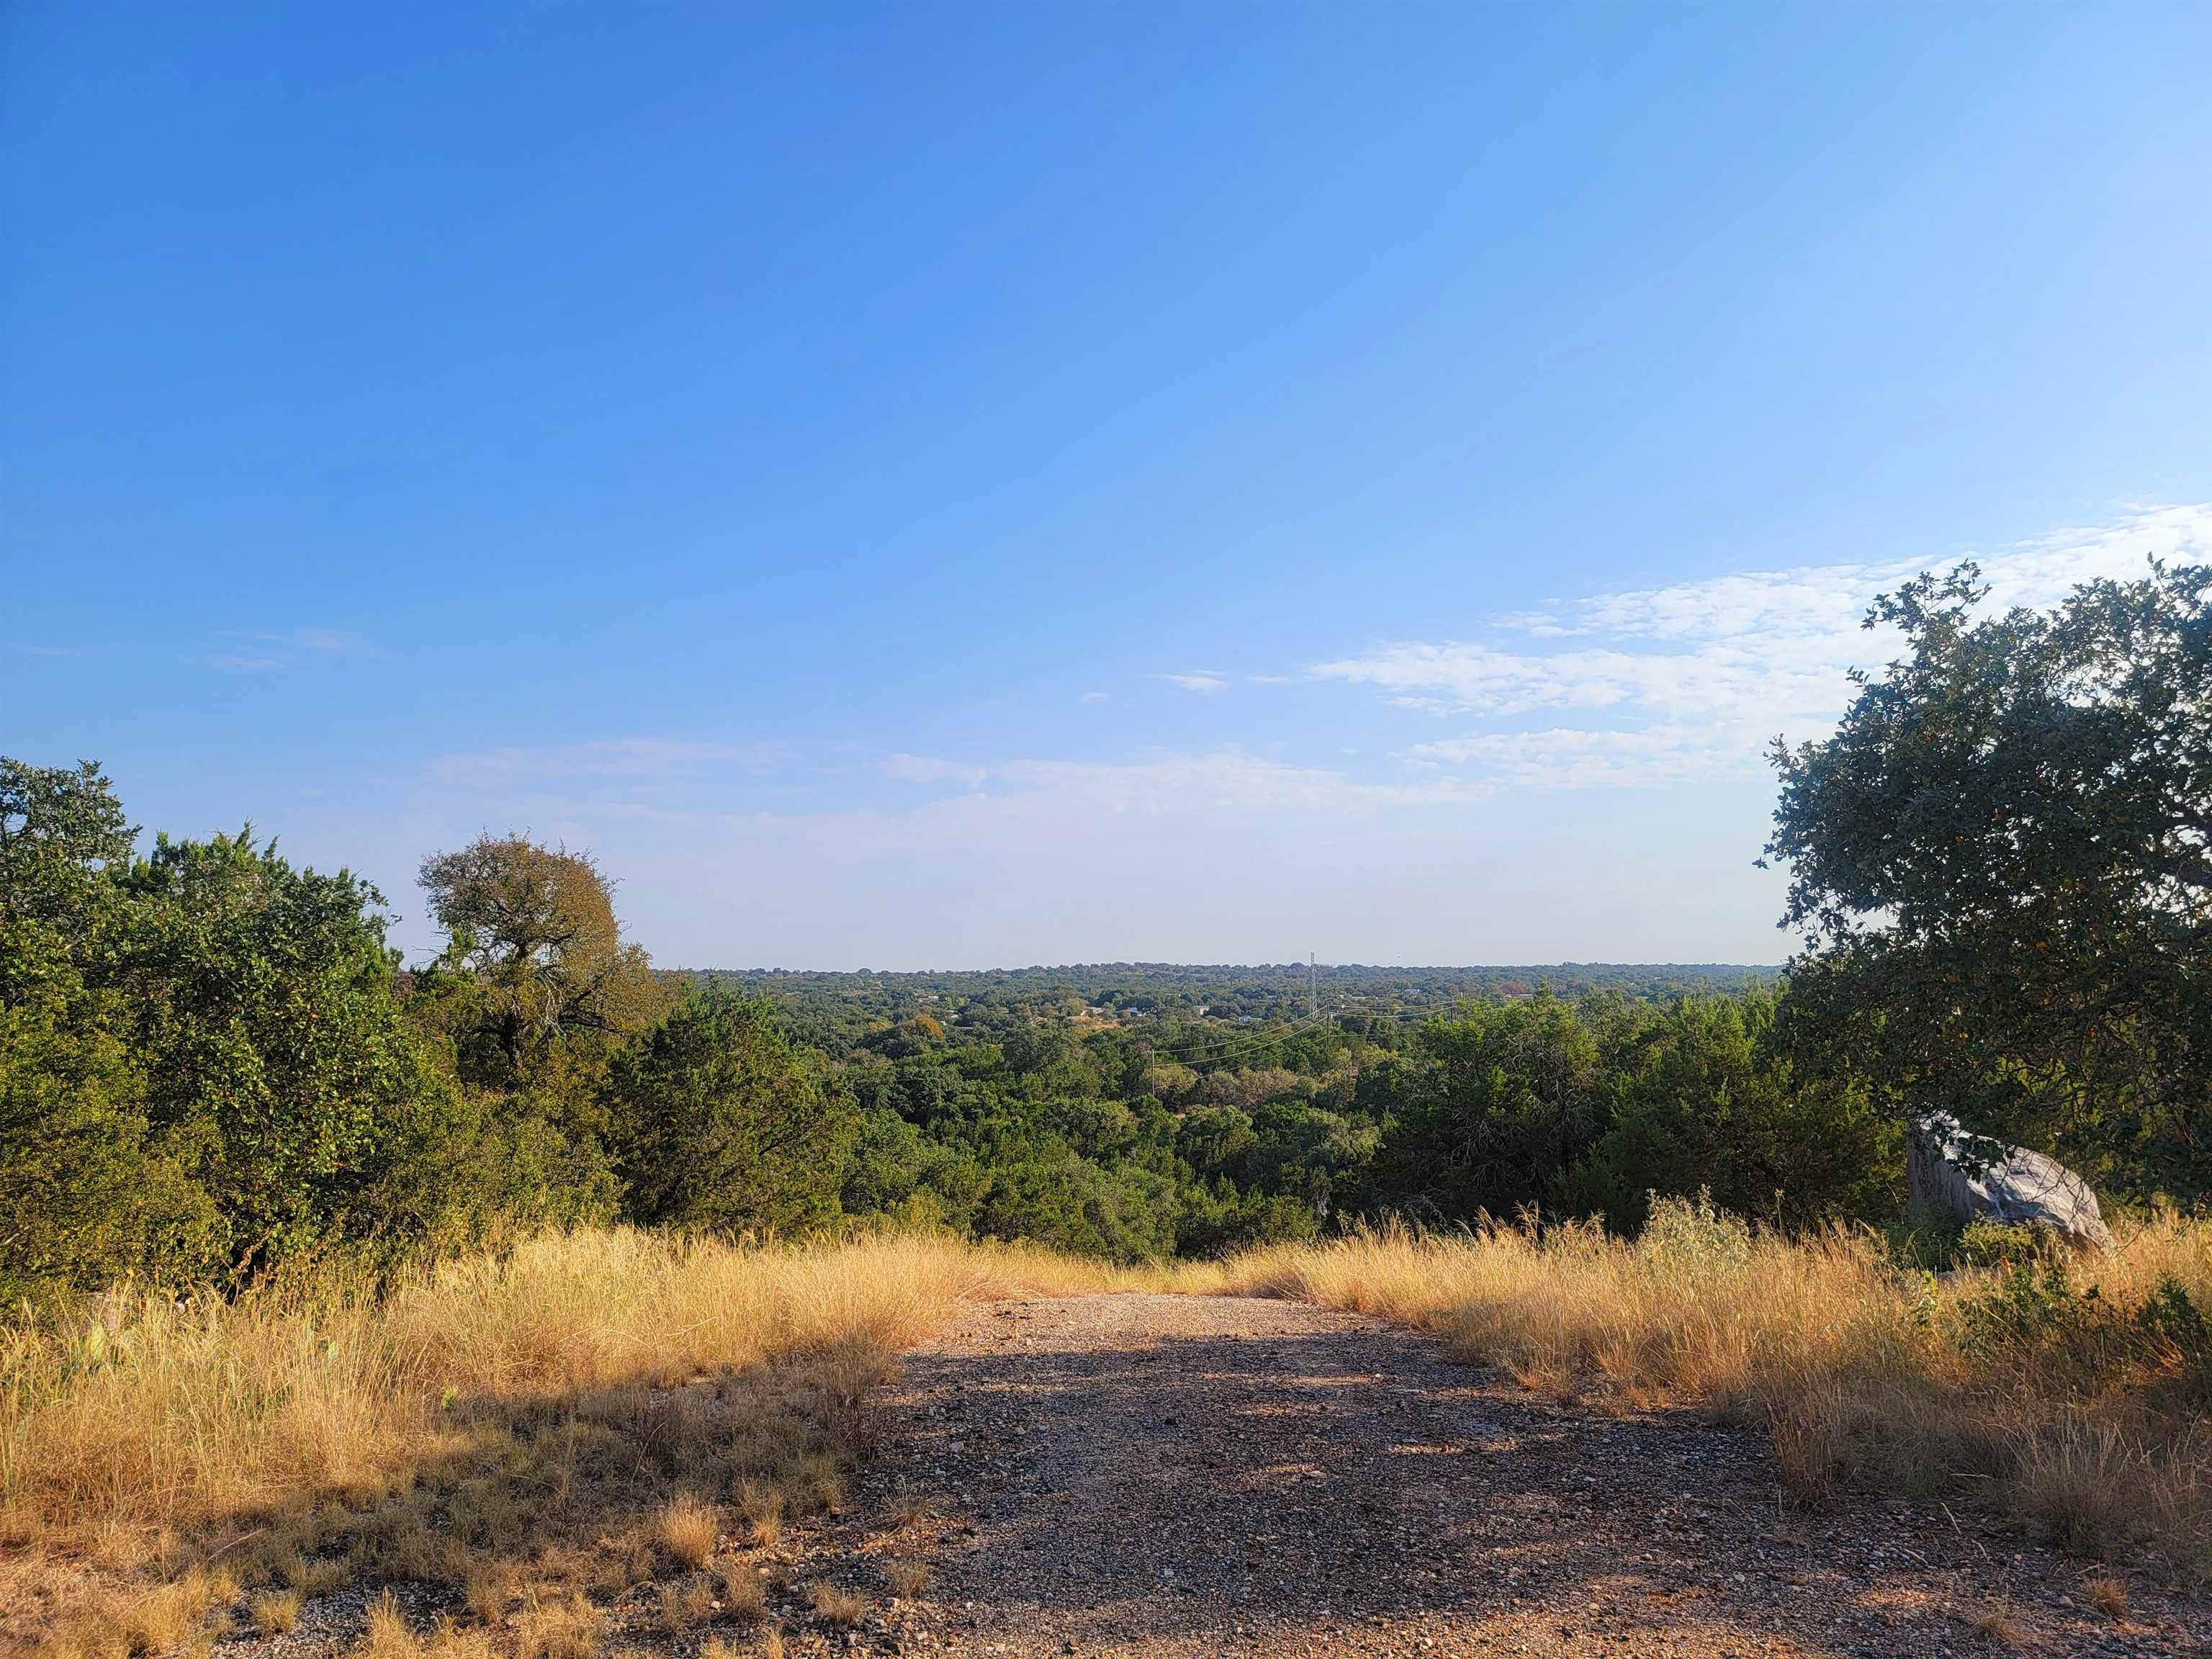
(2108, 1595)
(910, 1506)
(490, 1587)
(166, 1618)
(1865, 1373)
(276, 1611)
(571, 1628)
(907, 1577)
(686, 1604)
(449, 1641)
(839, 1606)
(1998, 1621)
(762, 1504)
(390, 1636)
(513, 1425)
(745, 1597)
(494, 1411)
(687, 1530)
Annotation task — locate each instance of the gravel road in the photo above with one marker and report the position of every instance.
(1197, 1475)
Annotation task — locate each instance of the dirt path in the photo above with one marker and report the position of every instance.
(1192, 1475)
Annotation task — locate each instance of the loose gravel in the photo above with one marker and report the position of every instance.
(1194, 1475)
(1178, 1475)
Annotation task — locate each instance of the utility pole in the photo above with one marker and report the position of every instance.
(1313, 988)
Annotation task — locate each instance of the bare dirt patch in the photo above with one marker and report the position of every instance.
(1197, 1475)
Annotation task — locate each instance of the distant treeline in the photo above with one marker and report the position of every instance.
(212, 1065)
(839, 1004)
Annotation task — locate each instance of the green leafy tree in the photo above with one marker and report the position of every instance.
(62, 840)
(1498, 1107)
(1219, 1221)
(718, 1121)
(1215, 1140)
(1053, 1195)
(893, 1170)
(1711, 1104)
(1307, 1152)
(280, 1070)
(2001, 866)
(86, 1193)
(535, 975)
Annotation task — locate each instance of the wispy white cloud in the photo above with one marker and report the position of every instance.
(259, 653)
(1426, 847)
(1097, 697)
(1568, 757)
(1204, 681)
(1689, 679)
(334, 642)
(1227, 779)
(928, 768)
(1224, 854)
(632, 780)
(653, 760)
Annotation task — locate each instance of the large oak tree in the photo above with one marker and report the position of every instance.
(2000, 864)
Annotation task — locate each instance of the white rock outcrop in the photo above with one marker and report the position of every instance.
(1973, 1178)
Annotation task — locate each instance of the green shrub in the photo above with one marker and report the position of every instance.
(717, 1121)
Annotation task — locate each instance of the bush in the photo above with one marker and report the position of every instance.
(281, 1074)
(204, 1070)
(2036, 1318)
(718, 1121)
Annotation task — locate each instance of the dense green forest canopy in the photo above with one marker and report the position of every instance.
(837, 1007)
(213, 1066)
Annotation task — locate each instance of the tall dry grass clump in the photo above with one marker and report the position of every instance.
(2075, 1391)
(315, 1432)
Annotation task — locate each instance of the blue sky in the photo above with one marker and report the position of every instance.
(949, 486)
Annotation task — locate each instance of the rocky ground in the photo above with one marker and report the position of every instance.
(1193, 1476)
(1182, 1475)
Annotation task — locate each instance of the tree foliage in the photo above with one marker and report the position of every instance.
(722, 1123)
(204, 1068)
(1496, 1105)
(535, 963)
(2002, 862)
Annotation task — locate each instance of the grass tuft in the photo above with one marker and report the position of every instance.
(745, 1597)
(569, 1629)
(685, 1606)
(1998, 1621)
(907, 1576)
(276, 1611)
(389, 1635)
(835, 1603)
(687, 1530)
(763, 1504)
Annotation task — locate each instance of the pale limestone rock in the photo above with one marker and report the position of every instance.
(1973, 1178)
